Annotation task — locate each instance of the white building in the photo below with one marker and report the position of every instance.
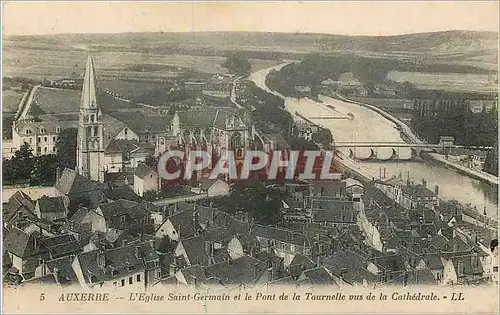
(145, 179)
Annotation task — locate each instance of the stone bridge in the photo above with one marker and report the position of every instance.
(415, 149)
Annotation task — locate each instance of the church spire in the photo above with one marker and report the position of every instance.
(89, 99)
(90, 149)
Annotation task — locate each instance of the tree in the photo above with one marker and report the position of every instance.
(66, 148)
(252, 196)
(45, 170)
(23, 163)
(491, 162)
(237, 64)
(150, 195)
(323, 136)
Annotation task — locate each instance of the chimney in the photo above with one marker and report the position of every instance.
(195, 223)
(317, 261)
(436, 190)
(56, 274)
(137, 251)
(474, 237)
(255, 270)
(58, 175)
(101, 260)
(42, 266)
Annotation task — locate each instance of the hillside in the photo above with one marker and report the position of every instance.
(451, 43)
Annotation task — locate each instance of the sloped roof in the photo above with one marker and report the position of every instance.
(280, 234)
(139, 123)
(51, 204)
(119, 262)
(113, 209)
(19, 202)
(195, 250)
(65, 274)
(302, 260)
(143, 170)
(71, 182)
(123, 192)
(241, 271)
(433, 261)
(194, 274)
(217, 234)
(318, 276)
(20, 243)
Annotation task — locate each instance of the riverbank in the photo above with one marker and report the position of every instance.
(370, 125)
(483, 176)
(408, 136)
(402, 127)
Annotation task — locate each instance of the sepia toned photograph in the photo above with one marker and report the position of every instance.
(250, 157)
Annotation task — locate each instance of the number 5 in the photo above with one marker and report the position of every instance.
(42, 296)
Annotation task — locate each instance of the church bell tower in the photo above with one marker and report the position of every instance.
(90, 147)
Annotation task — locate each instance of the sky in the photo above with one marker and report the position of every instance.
(350, 18)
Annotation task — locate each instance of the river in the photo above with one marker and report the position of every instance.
(368, 126)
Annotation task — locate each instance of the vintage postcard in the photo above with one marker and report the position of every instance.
(250, 157)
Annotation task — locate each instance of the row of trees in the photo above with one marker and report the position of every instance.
(439, 117)
(254, 197)
(237, 64)
(314, 69)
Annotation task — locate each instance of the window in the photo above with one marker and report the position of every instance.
(39, 139)
(45, 139)
(45, 149)
(130, 280)
(42, 130)
(460, 267)
(27, 131)
(138, 279)
(95, 131)
(123, 282)
(54, 139)
(29, 140)
(58, 129)
(126, 131)
(38, 149)
(92, 118)
(158, 274)
(474, 262)
(495, 269)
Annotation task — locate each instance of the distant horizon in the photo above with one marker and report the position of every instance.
(259, 32)
(348, 18)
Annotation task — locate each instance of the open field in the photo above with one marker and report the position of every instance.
(447, 81)
(38, 64)
(56, 55)
(10, 101)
